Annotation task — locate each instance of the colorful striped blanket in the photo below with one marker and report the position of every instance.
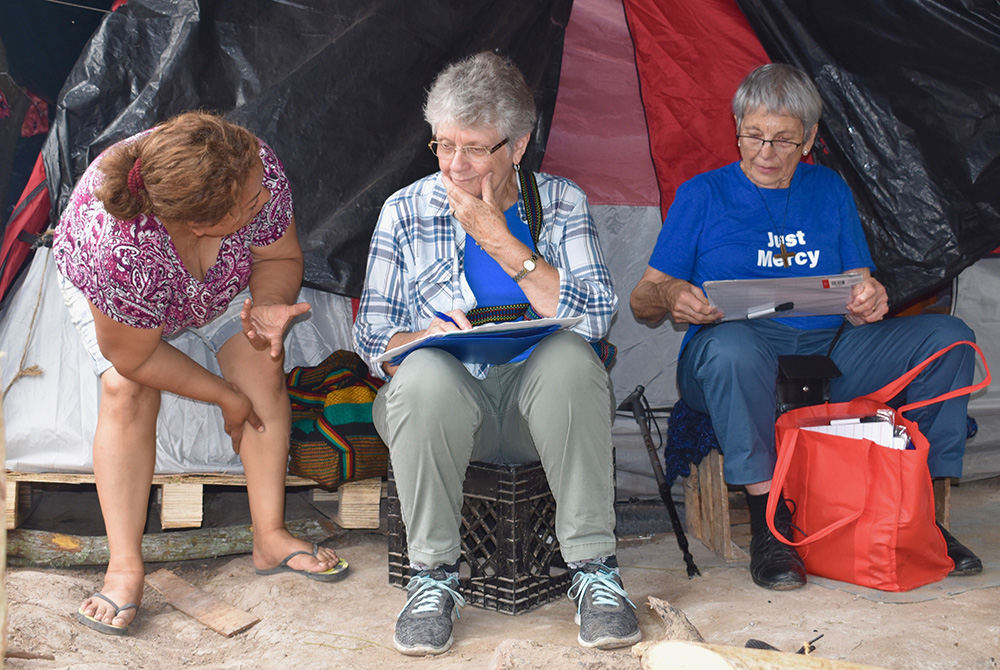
(333, 437)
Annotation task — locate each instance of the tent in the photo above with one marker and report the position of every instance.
(643, 94)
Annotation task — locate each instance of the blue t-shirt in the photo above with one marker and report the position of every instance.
(486, 278)
(494, 287)
(722, 226)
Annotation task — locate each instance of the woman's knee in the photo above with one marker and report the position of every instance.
(947, 329)
(563, 357)
(428, 381)
(731, 349)
(120, 391)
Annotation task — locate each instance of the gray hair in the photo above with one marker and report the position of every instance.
(482, 90)
(779, 89)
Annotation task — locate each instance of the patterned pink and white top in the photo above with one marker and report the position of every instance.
(130, 270)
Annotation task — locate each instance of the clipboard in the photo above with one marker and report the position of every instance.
(740, 299)
(488, 344)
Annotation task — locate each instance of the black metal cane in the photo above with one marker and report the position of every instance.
(635, 401)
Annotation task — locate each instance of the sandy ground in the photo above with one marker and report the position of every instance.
(306, 625)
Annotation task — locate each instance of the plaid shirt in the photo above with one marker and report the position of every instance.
(417, 257)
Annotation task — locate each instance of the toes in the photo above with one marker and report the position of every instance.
(328, 556)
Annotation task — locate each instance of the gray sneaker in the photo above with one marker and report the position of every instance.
(603, 610)
(424, 624)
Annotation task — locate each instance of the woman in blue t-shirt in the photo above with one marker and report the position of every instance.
(768, 215)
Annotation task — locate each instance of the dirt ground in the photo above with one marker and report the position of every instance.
(307, 625)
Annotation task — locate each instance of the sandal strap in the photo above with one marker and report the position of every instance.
(301, 552)
(118, 610)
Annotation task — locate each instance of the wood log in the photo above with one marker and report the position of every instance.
(678, 655)
(57, 550)
(678, 626)
(529, 654)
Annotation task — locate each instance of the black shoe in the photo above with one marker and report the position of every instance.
(966, 563)
(773, 564)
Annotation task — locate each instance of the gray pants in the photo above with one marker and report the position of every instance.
(555, 407)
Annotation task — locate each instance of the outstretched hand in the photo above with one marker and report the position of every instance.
(265, 325)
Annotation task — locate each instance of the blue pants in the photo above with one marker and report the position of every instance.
(728, 371)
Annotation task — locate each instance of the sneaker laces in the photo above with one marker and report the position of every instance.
(427, 592)
(606, 589)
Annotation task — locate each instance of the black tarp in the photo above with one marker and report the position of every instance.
(336, 87)
(911, 119)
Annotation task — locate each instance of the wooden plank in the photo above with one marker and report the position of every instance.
(720, 506)
(706, 498)
(10, 504)
(692, 503)
(942, 501)
(219, 616)
(183, 510)
(205, 478)
(17, 502)
(705, 483)
(323, 496)
(181, 506)
(360, 503)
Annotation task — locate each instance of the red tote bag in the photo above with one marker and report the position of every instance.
(862, 512)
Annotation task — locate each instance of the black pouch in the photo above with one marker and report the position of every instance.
(804, 380)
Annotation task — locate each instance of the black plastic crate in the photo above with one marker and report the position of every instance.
(510, 555)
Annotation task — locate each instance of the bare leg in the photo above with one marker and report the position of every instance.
(124, 458)
(265, 456)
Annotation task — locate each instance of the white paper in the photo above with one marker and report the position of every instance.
(741, 299)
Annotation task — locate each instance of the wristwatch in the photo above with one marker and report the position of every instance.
(529, 265)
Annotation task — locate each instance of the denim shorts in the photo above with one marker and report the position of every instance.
(213, 334)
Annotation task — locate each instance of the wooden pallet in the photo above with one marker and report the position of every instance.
(181, 496)
(707, 509)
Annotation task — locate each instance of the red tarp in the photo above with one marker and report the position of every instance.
(31, 215)
(691, 56)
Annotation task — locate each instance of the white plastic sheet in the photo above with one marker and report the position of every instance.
(52, 415)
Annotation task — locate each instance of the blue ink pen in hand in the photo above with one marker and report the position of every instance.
(445, 317)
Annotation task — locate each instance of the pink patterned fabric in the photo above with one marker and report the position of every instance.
(130, 270)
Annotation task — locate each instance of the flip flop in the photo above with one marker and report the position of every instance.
(339, 571)
(101, 626)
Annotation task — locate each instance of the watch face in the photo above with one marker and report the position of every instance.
(529, 265)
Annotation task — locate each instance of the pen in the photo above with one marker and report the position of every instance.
(445, 317)
(761, 313)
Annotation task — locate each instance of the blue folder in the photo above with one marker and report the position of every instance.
(491, 344)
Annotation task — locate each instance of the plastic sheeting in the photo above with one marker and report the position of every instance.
(51, 416)
(335, 86)
(911, 94)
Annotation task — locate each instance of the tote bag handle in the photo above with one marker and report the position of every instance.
(892, 389)
(789, 442)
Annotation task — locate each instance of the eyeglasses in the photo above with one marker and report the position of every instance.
(473, 153)
(754, 143)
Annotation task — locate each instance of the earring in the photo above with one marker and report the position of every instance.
(805, 153)
(517, 167)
